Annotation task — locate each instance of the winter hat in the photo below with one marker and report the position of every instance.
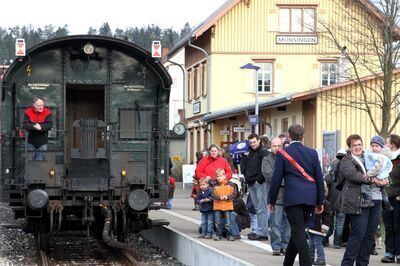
(378, 140)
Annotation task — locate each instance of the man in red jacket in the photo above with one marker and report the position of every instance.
(37, 121)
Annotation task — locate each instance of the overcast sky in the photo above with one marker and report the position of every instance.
(81, 14)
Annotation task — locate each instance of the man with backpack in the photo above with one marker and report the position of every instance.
(335, 185)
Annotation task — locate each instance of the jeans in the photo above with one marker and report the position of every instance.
(168, 204)
(207, 223)
(280, 229)
(362, 235)
(337, 227)
(38, 154)
(259, 198)
(392, 229)
(235, 227)
(315, 244)
(254, 223)
(220, 218)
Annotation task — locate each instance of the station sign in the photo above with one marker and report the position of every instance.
(253, 120)
(224, 132)
(196, 108)
(156, 49)
(20, 47)
(242, 129)
(290, 39)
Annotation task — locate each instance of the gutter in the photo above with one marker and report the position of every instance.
(183, 98)
(238, 110)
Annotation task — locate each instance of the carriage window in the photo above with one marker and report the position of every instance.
(52, 131)
(134, 124)
(127, 124)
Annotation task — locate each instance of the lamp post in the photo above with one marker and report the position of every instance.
(256, 68)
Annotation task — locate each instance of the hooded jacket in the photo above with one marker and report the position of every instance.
(349, 201)
(37, 137)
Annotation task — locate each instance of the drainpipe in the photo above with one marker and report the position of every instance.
(209, 139)
(183, 101)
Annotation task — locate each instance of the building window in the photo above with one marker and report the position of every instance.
(328, 73)
(297, 19)
(204, 79)
(284, 125)
(264, 77)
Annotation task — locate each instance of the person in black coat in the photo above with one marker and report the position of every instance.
(251, 169)
(302, 194)
(240, 217)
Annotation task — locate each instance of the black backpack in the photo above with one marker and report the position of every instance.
(335, 177)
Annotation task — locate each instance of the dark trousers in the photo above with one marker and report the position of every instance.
(362, 235)
(298, 216)
(392, 229)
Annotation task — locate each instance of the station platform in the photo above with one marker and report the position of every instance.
(185, 221)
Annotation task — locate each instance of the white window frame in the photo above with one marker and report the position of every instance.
(329, 73)
(304, 17)
(263, 73)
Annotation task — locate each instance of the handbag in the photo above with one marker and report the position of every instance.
(296, 165)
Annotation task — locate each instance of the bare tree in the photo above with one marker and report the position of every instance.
(369, 46)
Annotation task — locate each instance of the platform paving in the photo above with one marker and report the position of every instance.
(183, 219)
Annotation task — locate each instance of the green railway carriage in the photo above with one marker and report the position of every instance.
(107, 153)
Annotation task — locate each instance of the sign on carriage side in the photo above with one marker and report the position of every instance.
(20, 48)
(156, 49)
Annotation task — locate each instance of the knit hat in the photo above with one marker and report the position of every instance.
(378, 140)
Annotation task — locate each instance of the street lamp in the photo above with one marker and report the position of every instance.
(256, 68)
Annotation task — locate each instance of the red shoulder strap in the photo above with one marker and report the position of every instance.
(295, 164)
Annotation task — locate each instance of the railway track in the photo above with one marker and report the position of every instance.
(76, 249)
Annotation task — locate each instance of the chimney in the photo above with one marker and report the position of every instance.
(164, 54)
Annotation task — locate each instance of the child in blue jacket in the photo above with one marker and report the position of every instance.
(205, 201)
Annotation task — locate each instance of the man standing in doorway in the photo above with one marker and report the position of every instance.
(37, 121)
(299, 166)
(257, 188)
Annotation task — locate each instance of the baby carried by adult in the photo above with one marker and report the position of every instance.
(378, 164)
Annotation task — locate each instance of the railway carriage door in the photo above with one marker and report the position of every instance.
(85, 149)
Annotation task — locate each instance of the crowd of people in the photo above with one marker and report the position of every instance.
(291, 204)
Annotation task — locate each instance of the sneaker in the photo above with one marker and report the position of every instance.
(208, 236)
(337, 247)
(276, 252)
(201, 236)
(319, 262)
(257, 237)
(218, 238)
(387, 259)
(230, 238)
(386, 206)
(283, 251)
(237, 237)
(367, 204)
(374, 252)
(251, 234)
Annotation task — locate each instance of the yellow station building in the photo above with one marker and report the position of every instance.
(298, 68)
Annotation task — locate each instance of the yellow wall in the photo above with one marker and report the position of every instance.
(248, 33)
(232, 86)
(333, 115)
